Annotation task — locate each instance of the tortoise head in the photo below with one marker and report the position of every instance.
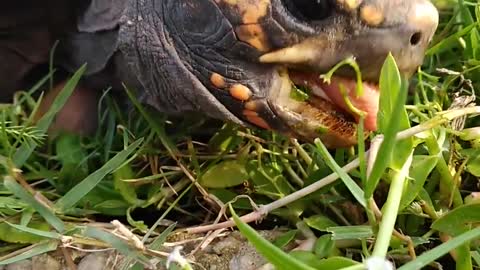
(240, 59)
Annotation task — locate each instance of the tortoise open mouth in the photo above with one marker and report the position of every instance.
(314, 108)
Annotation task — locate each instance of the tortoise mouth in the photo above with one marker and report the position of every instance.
(330, 110)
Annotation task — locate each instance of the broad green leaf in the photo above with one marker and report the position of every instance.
(127, 190)
(273, 254)
(324, 246)
(306, 257)
(285, 238)
(72, 155)
(473, 164)
(391, 118)
(46, 213)
(421, 168)
(393, 92)
(430, 256)
(333, 263)
(83, 188)
(268, 180)
(456, 221)
(38, 249)
(320, 222)
(225, 174)
(390, 85)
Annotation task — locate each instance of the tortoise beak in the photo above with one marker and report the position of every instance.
(406, 36)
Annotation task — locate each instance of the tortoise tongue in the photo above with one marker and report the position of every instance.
(368, 102)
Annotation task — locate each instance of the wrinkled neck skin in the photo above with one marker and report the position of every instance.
(157, 60)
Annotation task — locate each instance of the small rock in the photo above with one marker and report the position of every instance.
(45, 261)
(21, 265)
(94, 261)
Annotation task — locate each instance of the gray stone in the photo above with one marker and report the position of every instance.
(94, 261)
(45, 262)
(21, 265)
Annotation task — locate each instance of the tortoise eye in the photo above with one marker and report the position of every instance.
(309, 10)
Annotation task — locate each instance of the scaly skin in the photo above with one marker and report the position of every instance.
(230, 59)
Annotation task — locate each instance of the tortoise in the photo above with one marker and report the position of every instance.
(234, 60)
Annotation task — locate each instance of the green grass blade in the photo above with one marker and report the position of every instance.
(451, 41)
(37, 232)
(116, 243)
(156, 126)
(83, 188)
(36, 250)
(24, 152)
(158, 242)
(433, 254)
(356, 191)
(271, 252)
(25, 196)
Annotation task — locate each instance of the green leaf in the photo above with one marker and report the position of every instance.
(11, 234)
(320, 222)
(46, 213)
(127, 190)
(285, 239)
(41, 231)
(456, 221)
(225, 174)
(333, 263)
(324, 246)
(34, 251)
(72, 155)
(24, 152)
(390, 85)
(273, 254)
(268, 180)
(391, 118)
(356, 191)
(83, 188)
(473, 164)
(421, 168)
(450, 42)
(433, 254)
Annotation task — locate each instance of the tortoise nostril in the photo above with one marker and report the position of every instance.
(415, 38)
